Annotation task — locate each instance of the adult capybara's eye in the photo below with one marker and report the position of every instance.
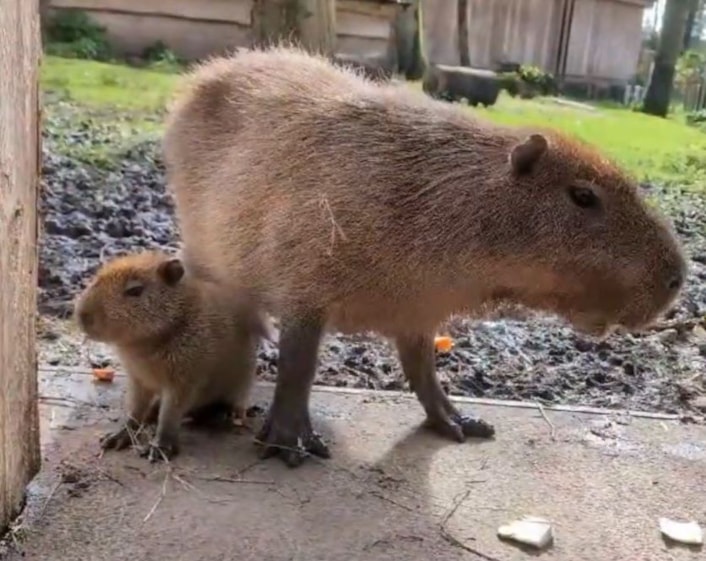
(583, 197)
(134, 289)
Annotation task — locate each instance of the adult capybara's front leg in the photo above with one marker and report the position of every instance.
(287, 431)
(417, 357)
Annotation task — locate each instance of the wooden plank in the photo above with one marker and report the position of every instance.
(385, 10)
(352, 24)
(19, 186)
(227, 11)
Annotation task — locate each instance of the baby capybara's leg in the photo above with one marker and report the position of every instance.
(417, 357)
(287, 431)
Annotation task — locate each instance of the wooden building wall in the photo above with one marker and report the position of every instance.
(197, 29)
(604, 43)
(605, 40)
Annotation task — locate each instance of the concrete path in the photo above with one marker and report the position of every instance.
(391, 492)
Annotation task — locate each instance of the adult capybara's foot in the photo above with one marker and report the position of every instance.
(160, 451)
(291, 441)
(458, 427)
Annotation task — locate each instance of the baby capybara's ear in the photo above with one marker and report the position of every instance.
(524, 156)
(171, 271)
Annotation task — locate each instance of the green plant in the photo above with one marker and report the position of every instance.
(159, 52)
(690, 65)
(73, 34)
(696, 118)
(533, 75)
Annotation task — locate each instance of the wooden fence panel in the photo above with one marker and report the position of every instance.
(19, 161)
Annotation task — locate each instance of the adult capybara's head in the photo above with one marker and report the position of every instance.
(133, 298)
(591, 248)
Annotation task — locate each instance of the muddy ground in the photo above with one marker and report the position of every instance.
(97, 203)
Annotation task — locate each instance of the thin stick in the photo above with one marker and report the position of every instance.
(49, 498)
(61, 400)
(544, 415)
(455, 541)
(233, 479)
(159, 499)
(679, 325)
(382, 497)
(324, 204)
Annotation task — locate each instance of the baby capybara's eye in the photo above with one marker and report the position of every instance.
(134, 290)
(583, 197)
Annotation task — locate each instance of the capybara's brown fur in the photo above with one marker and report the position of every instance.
(186, 345)
(334, 201)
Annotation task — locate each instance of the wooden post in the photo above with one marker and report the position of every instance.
(308, 23)
(19, 186)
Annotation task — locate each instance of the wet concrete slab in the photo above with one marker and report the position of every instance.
(392, 491)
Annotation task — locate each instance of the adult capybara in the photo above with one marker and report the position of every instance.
(187, 347)
(338, 203)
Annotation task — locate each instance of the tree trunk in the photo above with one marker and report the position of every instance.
(310, 24)
(19, 165)
(405, 26)
(694, 10)
(415, 70)
(462, 20)
(671, 38)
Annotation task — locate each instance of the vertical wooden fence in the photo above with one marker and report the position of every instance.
(19, 161)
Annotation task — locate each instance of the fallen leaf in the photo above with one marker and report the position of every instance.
(103, 374)
(443, 344)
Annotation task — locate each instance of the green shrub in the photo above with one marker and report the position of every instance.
(543, 81)
(159, 52)
(696, 118)
(73, 34)
(161, 57)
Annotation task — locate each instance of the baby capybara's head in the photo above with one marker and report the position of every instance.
(591, 248)
(134, 298)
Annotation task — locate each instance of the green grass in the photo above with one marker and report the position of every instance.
(654, 149)
(119, 104)
(101, 85)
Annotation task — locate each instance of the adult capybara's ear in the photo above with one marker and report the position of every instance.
(524, 156)
(171, 271)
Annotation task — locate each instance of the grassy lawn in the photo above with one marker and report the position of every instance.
(99, 85)
(132, 100)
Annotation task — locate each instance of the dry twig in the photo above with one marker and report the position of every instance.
(678, 324)
(162, 494)
(335, 227)
(233, 479)
(544, 416)
(49, 498)
(65, 401)
(443, 529)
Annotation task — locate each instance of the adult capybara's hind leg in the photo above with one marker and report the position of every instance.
(417, 357)
(287, 431)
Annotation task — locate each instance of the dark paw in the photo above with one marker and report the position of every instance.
(291, 442)
(458, 427)
(117, 440)
(163, 452)
(215, 414)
